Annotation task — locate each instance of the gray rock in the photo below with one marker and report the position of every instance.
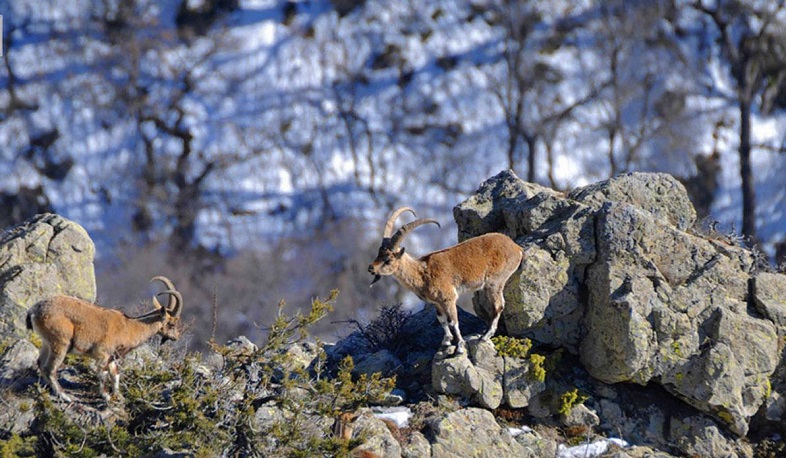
(612, 274)
(417, 446)
(470, 433)
(482, 212)
(671, 307)
(459, 376)
(382, 361)
(775, 407)
(637, 452)
(20, 357)
(17, 415)
(377, 436)
(543, 299)
(242, 345)
(769, 297)
(580, 415)
(40, 258)
(518, 383)
(537, 446)
(657, 193)
(485, 378)
(700, 436)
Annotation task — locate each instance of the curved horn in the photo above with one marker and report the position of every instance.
(169, 286)
(392, 220)
(177, 298)
(398, 237)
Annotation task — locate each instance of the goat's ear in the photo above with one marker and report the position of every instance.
(162, 311)
(157, 304)
(400, 253)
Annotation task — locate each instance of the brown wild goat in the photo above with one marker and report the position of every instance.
(483, 263)
(70, 325)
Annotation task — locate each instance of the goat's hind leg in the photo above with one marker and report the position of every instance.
(49, 364)
(497, 299)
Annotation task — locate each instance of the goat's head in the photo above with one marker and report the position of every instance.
(170, 314)
(390, 252)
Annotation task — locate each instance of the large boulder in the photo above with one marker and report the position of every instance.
(473, 433)
(668, 306)
(613, 273)
(486, 378)
(42, 257)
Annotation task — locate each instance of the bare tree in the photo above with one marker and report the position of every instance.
(754, 45)
(525, 83)
(167, 81)
(642, 107)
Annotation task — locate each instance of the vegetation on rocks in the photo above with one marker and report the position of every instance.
(570, 399)
(512, 346)
(256, 401)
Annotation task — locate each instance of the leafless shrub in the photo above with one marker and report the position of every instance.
(384, 332)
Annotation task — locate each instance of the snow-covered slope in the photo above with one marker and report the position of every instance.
(306, 115)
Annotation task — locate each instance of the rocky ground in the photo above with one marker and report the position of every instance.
(624, 321)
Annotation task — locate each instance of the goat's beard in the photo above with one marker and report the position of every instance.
(376, 279)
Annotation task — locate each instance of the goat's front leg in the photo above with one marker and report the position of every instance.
(115, 372)
(103, 374)
(453, 323)
(447, 340)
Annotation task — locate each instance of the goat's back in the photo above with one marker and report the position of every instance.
(60, 318)
(477, 259)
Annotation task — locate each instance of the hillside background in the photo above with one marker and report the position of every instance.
(251, 150)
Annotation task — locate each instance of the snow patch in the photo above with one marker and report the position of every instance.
(398, 415)
(596, 448)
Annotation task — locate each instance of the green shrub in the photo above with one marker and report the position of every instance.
(570, 399)
(16, 446)
(537, 370)
(511, 346)
(181, 405)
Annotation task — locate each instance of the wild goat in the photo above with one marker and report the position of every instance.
(70, 325)
(482, 263)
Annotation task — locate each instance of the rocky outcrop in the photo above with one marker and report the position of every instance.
(486, 378)
(44, 256)
(473, 433)
(613, 274)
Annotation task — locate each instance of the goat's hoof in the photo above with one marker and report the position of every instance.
(443, 353)
(460, 350)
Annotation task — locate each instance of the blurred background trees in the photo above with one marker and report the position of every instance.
(251, 149)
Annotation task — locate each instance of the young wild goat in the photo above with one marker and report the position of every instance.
(70, 325)
(482, 263)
